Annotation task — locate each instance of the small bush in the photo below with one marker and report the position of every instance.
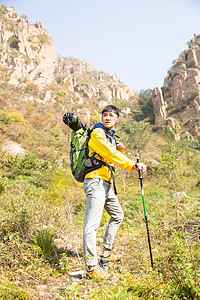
(37, 61)
(43, 38)
(13, 42)
(5, 118)
(165, 86)
(15, 166)
(16, 218)
(16, 117)
(2, 185)
(62, 93)
(44, 244)
(2, 10)
(8, 118)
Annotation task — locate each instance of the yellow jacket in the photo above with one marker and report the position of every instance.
(108, 153)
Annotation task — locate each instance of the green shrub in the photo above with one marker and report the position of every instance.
(2, 185)
(13, 42)
(10, 291)
(16, 117)
(8, 118)
(165, 86)
(62, 93)
(2, 10)
(5, 118)
(144, 109)
(43, 38)
(137, 134)
(16, 218)
(170, 163)
(37, 60)
(15, 166)
(44, 244)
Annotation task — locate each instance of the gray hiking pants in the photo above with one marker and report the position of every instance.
(99, 196)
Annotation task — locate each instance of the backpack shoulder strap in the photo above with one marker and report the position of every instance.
(111, 168)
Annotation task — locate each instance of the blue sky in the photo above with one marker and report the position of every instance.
(136, 40)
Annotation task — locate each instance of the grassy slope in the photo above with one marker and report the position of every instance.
(42, 215)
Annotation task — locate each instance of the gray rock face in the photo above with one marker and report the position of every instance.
(180, 95)
(28, 63)
(27, 51)
(159, 105)
(28, 56)
(80, 77)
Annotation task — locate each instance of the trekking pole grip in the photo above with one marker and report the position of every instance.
(139, 171)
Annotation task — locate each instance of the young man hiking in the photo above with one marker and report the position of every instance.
(98, 189)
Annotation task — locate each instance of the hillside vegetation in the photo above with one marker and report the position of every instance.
(42, 210)
(42, 207)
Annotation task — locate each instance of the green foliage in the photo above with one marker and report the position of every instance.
(62, 93)
(194, 42)
(44, 244)
(13, 42)
(15, 166)
(2, 10)
(15, 218)
(38, 191)
(8, 118)
(178, 61)
(170, 163)
(193, 143)
(165, 86)
(43, 38)
(37, 60)
(182, 266)
(37, 173)
(191, 94)
(16, 117)
(2, 185)
(122, 104)
(10, 291)
(144, 110)
(136, 134)
(5, 118)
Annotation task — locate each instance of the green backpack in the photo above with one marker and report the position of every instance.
(79, 153)
(80, 162)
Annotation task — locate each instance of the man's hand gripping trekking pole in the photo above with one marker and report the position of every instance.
(142, 168)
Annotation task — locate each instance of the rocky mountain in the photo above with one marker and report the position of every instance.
(178, 102)
(28, 57)
(27, 51)
(28, 63)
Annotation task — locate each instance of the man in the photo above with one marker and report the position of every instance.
(98, 189)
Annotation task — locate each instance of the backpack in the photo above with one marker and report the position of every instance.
(80, 162)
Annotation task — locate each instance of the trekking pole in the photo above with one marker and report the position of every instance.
(145, 213)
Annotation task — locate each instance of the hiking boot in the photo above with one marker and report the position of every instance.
(98, 273)
(105, 260)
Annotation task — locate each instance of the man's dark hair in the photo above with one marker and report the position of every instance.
(109, 108)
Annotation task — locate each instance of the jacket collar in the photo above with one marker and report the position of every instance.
(100, 125)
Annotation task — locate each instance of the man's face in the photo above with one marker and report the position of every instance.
(109, 119)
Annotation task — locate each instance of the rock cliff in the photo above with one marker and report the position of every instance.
(28, 56)
(86, 83)
(27, 51)
(178, 101)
